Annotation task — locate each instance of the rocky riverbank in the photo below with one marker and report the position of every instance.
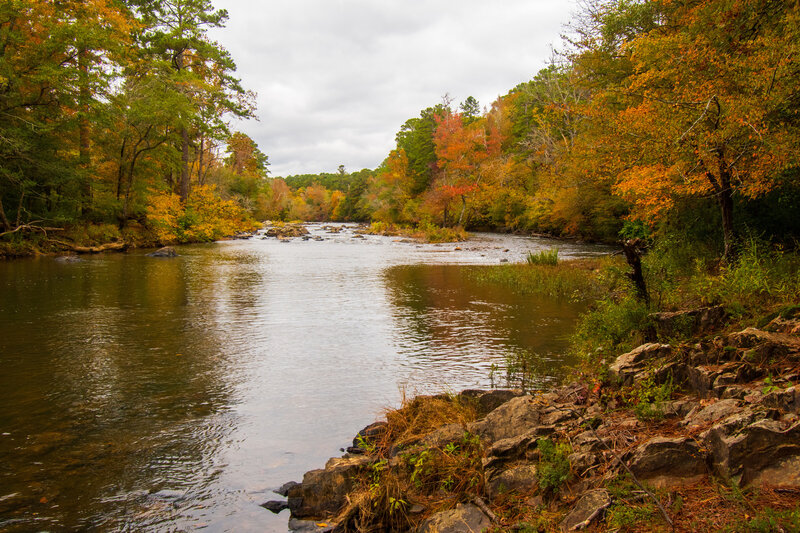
(700, 436)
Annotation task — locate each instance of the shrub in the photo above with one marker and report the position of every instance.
(204, 217)
(554, 468)
(543, 257)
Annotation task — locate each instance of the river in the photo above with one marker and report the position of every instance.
(150, 394)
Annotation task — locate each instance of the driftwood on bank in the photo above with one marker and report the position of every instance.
(29, 227)
(108, 247)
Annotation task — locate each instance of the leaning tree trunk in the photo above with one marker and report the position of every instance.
(463, 210)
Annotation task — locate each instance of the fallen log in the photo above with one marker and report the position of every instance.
(108, 247)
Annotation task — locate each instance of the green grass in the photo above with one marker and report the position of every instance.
(579, 280)
(543, 257)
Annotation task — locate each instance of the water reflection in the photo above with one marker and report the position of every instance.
(146, 394)
(112, 390)
(448, 323)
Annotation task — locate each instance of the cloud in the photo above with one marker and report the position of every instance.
(336, 79)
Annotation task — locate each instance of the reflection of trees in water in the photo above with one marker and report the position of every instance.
(125, 385)
(443, 311)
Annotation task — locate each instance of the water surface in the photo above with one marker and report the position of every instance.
(147, 394)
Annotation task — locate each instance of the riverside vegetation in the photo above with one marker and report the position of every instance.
(683, 415)
(115, 129)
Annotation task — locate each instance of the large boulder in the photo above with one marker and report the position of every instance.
(518, 416)
(761, 452)
(324, 492)
(465, 518)
(668, 462)
(626, 366)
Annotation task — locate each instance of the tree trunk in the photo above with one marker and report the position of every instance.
(3, 218)
(184, 180)
(633, 249)
(83, 128)
(463, 210)
(121, 167)
(726, 209)
(200, 179)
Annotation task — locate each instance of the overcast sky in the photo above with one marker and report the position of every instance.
(337, 78)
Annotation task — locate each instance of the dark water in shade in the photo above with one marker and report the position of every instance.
(144, 394)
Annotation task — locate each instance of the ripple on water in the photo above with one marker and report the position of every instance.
(150, 395)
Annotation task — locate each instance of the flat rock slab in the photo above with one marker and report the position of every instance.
(587, 509)
(463, 519)
(628, 365)
(700, 416)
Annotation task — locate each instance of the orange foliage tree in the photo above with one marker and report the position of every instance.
(708, 106)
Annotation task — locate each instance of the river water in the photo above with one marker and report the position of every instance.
(148, 394)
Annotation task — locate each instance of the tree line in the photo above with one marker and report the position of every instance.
(655, 113)
(678, 114)
(114, 112)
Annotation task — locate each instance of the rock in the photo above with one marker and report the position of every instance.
(488, 401)
(787, 400)
(276, 506)
(701, 380)
(354, 450)
(668, 462)
(511, 448)
(557, 417)
(520, 478)
(688, 322)
(166, 251)
(757, 453)
(587, 509)
(441, 437)
(582, 462)
(700, 416)
(370, 434)
(309, 526)
(787, 322)
(287, 231)
(284, 489)
(324, 492)
(589, 442)
(516, 417)
(465, 518)
(764, 345)
(628, 365)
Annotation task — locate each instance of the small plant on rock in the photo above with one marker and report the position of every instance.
(651, 399)
(554, 467)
